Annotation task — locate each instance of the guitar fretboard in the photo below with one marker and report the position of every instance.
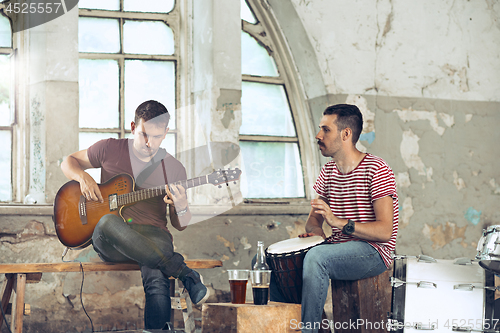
(148, 193)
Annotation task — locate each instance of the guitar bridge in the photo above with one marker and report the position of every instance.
(82, 209)
(113, 202)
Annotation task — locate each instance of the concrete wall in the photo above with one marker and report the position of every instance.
(425, 75)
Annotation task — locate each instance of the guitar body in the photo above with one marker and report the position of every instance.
(75, 218)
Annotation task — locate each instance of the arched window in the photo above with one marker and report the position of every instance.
(268, 135)
(7, 118)
(121, 68)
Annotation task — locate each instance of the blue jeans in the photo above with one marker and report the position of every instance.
(352, 260)
(152, 248)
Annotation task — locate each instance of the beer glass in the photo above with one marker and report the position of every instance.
(238, 279)
(260, 286)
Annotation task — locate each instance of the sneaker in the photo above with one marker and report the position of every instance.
(198, 293)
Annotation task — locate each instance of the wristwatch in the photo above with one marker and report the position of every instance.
(348, 229)
(181, 212)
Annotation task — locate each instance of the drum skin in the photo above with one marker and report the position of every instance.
(287, 266)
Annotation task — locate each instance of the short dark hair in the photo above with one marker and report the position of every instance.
(347, 116)
(154, 111)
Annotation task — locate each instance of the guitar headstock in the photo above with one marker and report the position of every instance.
(224, 176)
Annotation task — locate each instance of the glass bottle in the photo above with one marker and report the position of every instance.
(260, 263)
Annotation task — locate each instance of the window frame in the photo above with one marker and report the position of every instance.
(13, 128)
(268, 33)
(172, 20)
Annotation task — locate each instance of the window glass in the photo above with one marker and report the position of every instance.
(5, 112)
(149, 80)
(147, 37)
(5, 166)
(5, 32)
(265, 110)
(88, 139)
(151, 6)
(99, 93)
(169, 144)
(254, 58)
(98, 35)
(100, 4)
(271, 170)
(246, 13)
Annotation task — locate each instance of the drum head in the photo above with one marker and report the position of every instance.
(294, 244)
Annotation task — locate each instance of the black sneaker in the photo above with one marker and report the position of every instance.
(193, 282)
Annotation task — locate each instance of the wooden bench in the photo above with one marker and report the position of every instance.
(17, 275)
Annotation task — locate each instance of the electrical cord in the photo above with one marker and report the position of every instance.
(81, 287)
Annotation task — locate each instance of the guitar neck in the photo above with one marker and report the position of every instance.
(148, 193)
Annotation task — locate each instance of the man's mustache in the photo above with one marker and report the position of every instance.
(320, 143)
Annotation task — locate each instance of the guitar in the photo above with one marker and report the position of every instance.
(76, 217)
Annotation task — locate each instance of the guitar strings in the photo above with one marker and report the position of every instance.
(136, 195)
(124, 197)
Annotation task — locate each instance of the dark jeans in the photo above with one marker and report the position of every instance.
(152, 248)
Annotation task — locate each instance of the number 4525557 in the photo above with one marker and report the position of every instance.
(32, 8)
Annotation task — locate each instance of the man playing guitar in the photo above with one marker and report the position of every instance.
(143, 237)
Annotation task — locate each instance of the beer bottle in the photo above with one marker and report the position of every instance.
(260, 263)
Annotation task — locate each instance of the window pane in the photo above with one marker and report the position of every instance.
(169, 144)
(98, 35)
(271, 170)
(254, 58)
(5, 166)
(149, 80)
(265, 110)
(99, 4)
(150, 6)
(88, 139)
(99, 89)
(5, 32)
(5, 113)
(246, 13)
(147, 37)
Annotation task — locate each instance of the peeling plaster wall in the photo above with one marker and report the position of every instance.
(438, 49)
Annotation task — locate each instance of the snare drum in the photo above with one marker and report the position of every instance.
(487, 248)
(429, 294)
(285, 258)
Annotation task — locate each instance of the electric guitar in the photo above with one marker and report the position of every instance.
(76, 217)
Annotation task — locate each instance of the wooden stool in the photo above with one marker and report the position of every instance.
(17, 275)
(362, 305)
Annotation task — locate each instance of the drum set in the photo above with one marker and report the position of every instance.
(427, 294)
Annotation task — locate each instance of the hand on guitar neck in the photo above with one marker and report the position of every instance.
(176, 196)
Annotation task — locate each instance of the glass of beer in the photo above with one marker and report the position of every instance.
(238, 279)
(260, 286)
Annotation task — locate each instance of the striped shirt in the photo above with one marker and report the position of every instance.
(351, 196)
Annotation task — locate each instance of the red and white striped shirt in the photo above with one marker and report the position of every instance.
(351, 196)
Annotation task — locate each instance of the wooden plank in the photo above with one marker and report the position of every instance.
(16, 326)
(93, 266)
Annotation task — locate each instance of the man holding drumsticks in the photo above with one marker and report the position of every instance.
(357, 198)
